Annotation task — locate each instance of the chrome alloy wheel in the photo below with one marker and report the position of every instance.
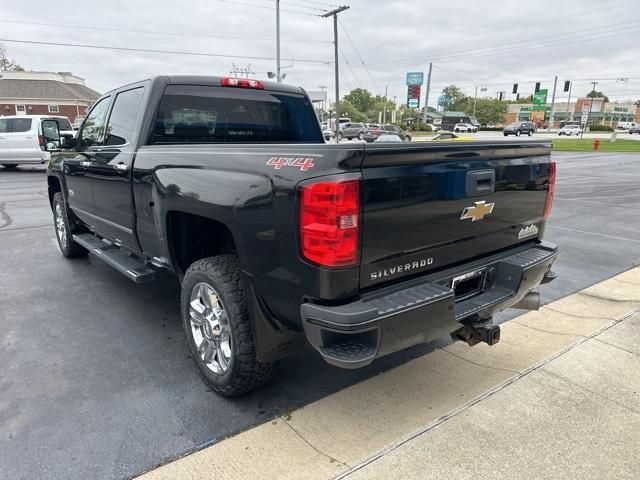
(60, 226)
(210, 328)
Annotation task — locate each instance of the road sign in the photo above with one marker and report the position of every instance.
(539, 99)
(584, 118)
(415, 78)
(585, 110)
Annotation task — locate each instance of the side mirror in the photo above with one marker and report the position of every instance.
(69, 142)
(50, 140)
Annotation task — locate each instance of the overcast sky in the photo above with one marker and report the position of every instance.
(488, 43)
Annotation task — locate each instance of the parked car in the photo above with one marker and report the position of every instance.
(569, 130)
(352, 130)
(328, 134)
(634, 129)
(371, 135)
(228, 184)
(449, 136)
(463, 127)
(626, 125)
(389, 138)
(22, 140)
(519, 128)
(434, 128)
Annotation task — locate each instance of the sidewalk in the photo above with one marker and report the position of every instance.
(558, 397)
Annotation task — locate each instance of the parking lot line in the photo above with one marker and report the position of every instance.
(373, 426)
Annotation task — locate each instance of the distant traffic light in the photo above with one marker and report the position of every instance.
(515, 88)
(500, 95)
(566, 85)
(537, 87)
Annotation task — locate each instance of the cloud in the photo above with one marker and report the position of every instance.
(488, 43)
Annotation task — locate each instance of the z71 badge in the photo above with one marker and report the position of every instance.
(302, 163)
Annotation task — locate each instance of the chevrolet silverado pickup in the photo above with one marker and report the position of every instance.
(278, 238)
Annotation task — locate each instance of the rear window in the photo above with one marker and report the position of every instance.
(20, 125)
(204, 114)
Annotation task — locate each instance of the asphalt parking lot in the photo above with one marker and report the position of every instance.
(97, 381)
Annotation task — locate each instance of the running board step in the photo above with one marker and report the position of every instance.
(130, 266)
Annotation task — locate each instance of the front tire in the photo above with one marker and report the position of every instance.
(517, 133)
(530, 133)
(64, 229)
(218, 329)
(361, 136)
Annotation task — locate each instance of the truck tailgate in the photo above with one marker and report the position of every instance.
(427, 206)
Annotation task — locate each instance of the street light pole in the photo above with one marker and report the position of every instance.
(278, 77)
(334, 13)
(553, 104)
(593, 91)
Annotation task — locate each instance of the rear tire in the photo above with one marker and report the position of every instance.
(361, 136)
(213, 300)
(9, 166)
(530, 133)
(64, 229)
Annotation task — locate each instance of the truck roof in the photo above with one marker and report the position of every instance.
(212, 80)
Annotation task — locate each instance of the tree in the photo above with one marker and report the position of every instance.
(361, 99)
(456, 98)
(7, 64)
(597, 94)
(347, 109)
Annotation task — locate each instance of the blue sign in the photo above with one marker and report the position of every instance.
(413, 103)
(415, 78)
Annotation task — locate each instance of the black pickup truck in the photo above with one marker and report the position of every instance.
(277, 237)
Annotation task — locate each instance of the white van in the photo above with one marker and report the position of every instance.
(626, 125)
(21, 139)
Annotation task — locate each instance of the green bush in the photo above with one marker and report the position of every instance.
(600, 128)
(402, 125)
(421, 127)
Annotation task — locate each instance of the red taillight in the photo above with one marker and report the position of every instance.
(550, 190)
(241, 82)
(329, 222)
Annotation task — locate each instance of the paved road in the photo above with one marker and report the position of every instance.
(97, 382)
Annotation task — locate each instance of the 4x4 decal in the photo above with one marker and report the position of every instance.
(302, 163)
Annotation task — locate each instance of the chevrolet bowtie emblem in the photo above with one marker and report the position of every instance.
(478, 211)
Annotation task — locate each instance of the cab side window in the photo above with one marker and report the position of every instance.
(94, 125)
(21, 125)
(122, 121)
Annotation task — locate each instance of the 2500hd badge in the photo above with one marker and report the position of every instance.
(406, 267)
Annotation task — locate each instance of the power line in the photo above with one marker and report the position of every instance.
(512, 46)
(255, 5)
(146, 50)
(157, 32)
(359, 56)
(350, 67)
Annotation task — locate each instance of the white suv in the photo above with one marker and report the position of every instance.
(463, 127)
(21, 139)
(569, 130)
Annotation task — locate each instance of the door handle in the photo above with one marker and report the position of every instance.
(85, 164)
(121, 167)
(29, 136)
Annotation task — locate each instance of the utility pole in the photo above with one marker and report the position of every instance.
(324, 102)
(475, 99)
(426, 97)
(278, 78)
(334, 13)
(553, 101)
(569, 102)
(593, 91)
(384, 110)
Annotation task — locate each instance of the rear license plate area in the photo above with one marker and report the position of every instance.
(467, 284)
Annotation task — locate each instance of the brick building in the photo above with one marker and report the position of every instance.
(44, 93)
(602, 113)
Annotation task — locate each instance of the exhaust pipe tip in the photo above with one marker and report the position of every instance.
(531, 301)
